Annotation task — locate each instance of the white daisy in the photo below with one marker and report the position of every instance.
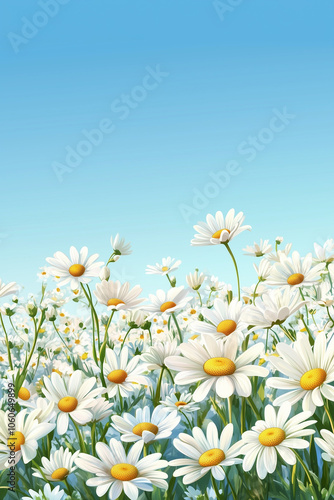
(8, 289)
(276, 257)
(205, 453)
(195, 280)
(175, 299)
(326, 444)
(116, 296)
(155, 356)
(310, 372)
(19, 439)
(101, 409)
(258, 250)
(218, 229)
(121, 374)
(275, 434)
(324, 253)
(167, 266)
(59, 466)
(72, 397)
(296, 271)
(46, 494)
(119, 246)
(223, 319)
(264, 269)
(184, 403)
(79, 268)
(215, 365)
(144, 426)
(117, 471)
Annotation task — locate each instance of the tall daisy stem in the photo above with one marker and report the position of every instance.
(157, 392)
(127, 333)
(229, 403)
(7, 344)
(326, 405)
(81, 440)
(301, 461)
(231, 487)
(215, 487)
(236, 267)
(177, 327)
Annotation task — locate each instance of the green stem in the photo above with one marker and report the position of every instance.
(215, 487)
(330, 317)
(300, 460)
(61, 338)
(236, 267)
(7, 344)
(97, 323)
(177, 327)
(253, 406)
(229, 403)
(255, 289)
(170, 281)
(127, 333)
(243, 416)
(80, 438)
(231, 487)
(108, 324)
(187, 419)
(200, 298)
(93, 438)
(326, 405)
(156, 398)
(218, 411)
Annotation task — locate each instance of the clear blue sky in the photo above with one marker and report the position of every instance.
(226, 75)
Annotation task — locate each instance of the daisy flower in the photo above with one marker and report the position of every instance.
(167, 266)
(205, 453)
(276, 257)
(174, 300)
(326, 444)
(117, 471)
(275, 434)
(310, 372)
(46, 494)
(8, 289)
(195, 280)
(116, 296)
(101, 409)
(145, 426)
(324, 253)
(155, 355)
(296, 271)
(59, 467)
(218, 229)
(119, 246)
(72, 397)
(27, 393)
(79, 268)
(215, 365)
(258, 250)
(183, 403)
(122, 374)
(264, 269)
(20, 441)
(223, 319)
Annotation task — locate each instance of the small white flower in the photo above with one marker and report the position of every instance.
(116, 296)
(218, 229)
(119, 246)
(195, 280)
(258, 250)
(168, 265)
(59, 466)
(326, 444)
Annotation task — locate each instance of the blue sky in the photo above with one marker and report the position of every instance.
(222, 80)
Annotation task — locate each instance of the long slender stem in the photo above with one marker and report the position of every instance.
(329, 415)
(231, 487)
(158, 389)
(229, 403)
(127, 333)
(177, 327)
(301, 461)
(81, 440)
(236, 267)
(215, 487)
(93, 438)
(7, 344)
(170, 281)
(243, 416)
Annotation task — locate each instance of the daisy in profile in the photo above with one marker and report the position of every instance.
(296, 271)
(216, 367)
(167, 266)
(195, 280)
(310, 371)
(121, 374)
(46, 494)
(258, 250)
(155, 356)
(76, 269)
(59, 467)
(119, 246)
(324, 253)
(116, 296)
(224, 319)
(72, 398)
(175, 299)
(115, 471)
(219, 229)
(20, 441)
(326, 444)
(144, 426)
(275, 434)
(205, 453)
(277, 256)
(101, 409)
(184, 403)
(8, 289)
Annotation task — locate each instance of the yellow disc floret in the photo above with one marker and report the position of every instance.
(167, 305)
(60, 474)
(164, 268)
(218, 233)
(227, 326)
(117, 376)
(114, 302)
(312, 379)
(211, 457)
(272, 436)
(15, 442)
(218, 367)
(68, 404)
(180, 403)
(124, 472)
(24, 394)
(145, 426)
(77, 270)
(295, 279)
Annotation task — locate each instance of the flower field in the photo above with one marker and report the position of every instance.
(203, 390)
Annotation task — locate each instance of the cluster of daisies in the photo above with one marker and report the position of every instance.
(199, 391)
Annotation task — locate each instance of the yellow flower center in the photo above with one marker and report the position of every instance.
(24, 394)
(180, 403)
(164, 268)
(211, 457)
(167, 305)
(218, 233)
(227, 326)
(312, 379)
(77, 341)
(218, 367)
(114, 302)
(145, 426)
(124, 472)
(2, 359)
(272, 436)
(68, 404)
(60, 474)
(193, 311)
(77, 270)
(16, 441)
(295, 279)
(117, 376)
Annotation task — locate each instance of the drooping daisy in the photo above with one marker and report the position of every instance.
(224, 319)
(258, 250)
(119, 246)
(205, 453)
(116, 296)
(296, 271)
(8, 289)
(72, 397)
(275, 434)
(326, 444)
(175, 299)
(117, 471)
(218, 229)
(310, 371)
(79, 268)
(46, 494)
(215, 365)
(324, 253)
(101, 409)
(273, 308)
(184, 403)
(195, 280)
(144, 426)
(155, 356)
(59, 466)
(20, 441)
(167, 266)
(121, 374)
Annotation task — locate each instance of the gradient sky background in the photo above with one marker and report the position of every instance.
(225, 78)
